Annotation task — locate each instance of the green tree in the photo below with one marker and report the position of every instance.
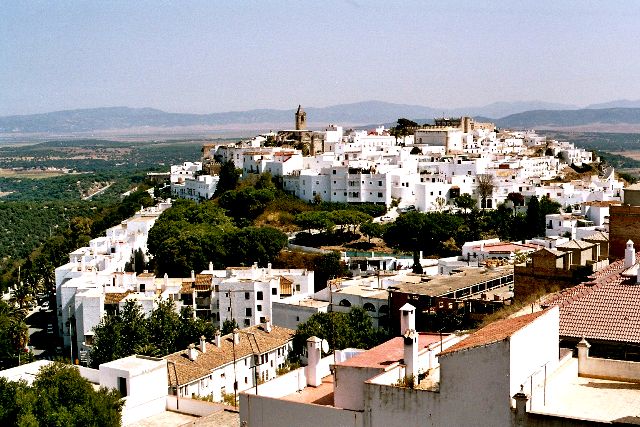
(533, 217)
(372, 229)
(341, 330)
(465, 202)
(229, 178)
(164, 326)
(65, 398)
(228, 326)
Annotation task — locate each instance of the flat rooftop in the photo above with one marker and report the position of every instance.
(363, 291)
(587, 398)
(441, 285)
(321, 395)
(389, 353)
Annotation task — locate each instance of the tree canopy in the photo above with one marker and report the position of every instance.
(59, 396)
(129, 332)
(342, 330)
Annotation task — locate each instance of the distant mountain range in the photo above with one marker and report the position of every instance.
(528, 115)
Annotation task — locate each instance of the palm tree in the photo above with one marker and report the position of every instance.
(22, 295)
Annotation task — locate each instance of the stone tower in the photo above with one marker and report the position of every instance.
(301, 119)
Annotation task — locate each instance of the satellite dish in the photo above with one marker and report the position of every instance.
(325, 346)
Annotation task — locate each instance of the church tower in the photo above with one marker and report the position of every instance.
(301, 119)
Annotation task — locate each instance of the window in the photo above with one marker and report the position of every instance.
(246, 295)
(297, 318)
(247, 322)
(263, 319)
(247, 311)
(142, 287)
(245, 380)
(259, 295)
(379, 183)
(259, 308)
(274, 291)
(122, 386)
(379, 194)
(297, 287)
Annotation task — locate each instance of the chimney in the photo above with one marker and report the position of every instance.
(193, 276)
(629, 255)
(314, 353)
(217, 339)
(583, 355)
(203, 344)
(521, 406)
(210, 266)
(407, 318)
(192, 352)
(166, 280)
(410, 353)
(267, 324)
(236, 336)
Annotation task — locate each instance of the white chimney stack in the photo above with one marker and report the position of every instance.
(166, 280)
(210, 266)
(629, 255)
(407, 318)
(203, 344)
(193, 276)
(314, 354)
(236, 336)
(410, 353)
(217, 339)
(267, 324)
(192, 352)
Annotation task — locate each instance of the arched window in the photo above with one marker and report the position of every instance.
(369, 307)
(345, 303)
(383, 309)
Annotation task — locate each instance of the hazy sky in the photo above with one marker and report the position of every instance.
(212, 56)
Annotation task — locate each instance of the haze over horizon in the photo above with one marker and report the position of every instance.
(206, 57)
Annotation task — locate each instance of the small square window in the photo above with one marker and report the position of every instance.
(259, 295)
(259, 308)
(247, 311)
(247, 322)
(274, 291)
(246, 295)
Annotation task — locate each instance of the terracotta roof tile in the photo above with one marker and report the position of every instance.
(494, 332)
(115, 297)
(605, 308)
(190, 370)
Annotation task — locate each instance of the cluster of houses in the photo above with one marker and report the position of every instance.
(427, 169)
(518, 371)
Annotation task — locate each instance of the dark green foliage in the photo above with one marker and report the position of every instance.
(59, 396)
(465, 202)
(228, 326)
(372, 229)
(188, 236)
(129, 332)
(229, 178)
(13, 334)
(342, 330)
(246, 204)
(137, 263)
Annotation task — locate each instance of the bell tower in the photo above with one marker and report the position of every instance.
(301, 119)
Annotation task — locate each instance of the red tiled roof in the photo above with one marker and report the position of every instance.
(605, 308)
(389, 352)
(494, 332)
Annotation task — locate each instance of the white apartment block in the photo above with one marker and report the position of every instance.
(95, 272)
(200, 188)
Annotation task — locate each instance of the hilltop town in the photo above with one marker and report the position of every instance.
(535, 331)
